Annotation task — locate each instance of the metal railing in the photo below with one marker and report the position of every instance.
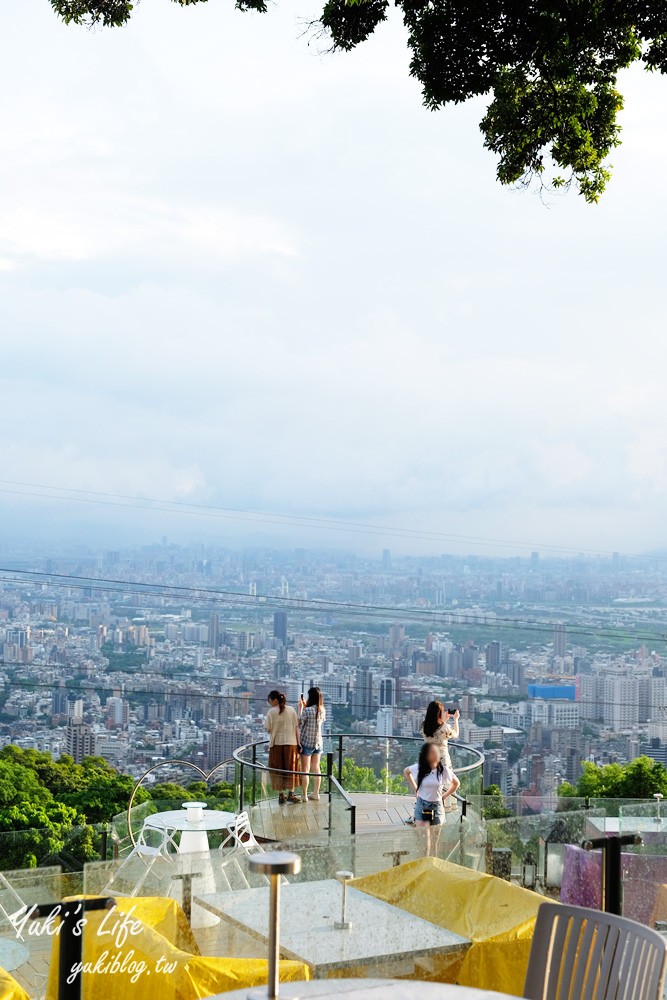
(379, 761)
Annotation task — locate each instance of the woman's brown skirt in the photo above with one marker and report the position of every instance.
(283, 758)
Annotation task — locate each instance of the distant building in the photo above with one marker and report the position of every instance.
(386, 560)
(214, 630)
(280, 627)
(384, 724)
(118, 713)
(560, 641)
(59, 700)
(223, 741)
(387, 692)
(79, 740)
(494, 655)
(556, 692)
(363, 694)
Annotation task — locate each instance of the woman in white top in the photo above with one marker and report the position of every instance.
(433, 783)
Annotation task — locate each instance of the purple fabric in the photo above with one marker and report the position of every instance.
(642, 874)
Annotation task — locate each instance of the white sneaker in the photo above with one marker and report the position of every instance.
(313, 798)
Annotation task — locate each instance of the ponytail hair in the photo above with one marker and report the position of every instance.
(280, 698)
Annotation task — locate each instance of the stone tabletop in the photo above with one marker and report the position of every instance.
(13, 954)
(378, 930)
(374, 989)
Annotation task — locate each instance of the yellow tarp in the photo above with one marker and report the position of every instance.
(142, 963)
(496, 916)
(10, 989)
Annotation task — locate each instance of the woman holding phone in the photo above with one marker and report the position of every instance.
(433, 783)
(439, 727)
(311, 719)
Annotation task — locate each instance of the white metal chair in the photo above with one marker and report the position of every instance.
(238, 843)
(580, 954)
(239, 834)
(162, 848)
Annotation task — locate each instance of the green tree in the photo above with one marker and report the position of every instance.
(642, 778)
(494, 804)
(364, 779)
(549, 66)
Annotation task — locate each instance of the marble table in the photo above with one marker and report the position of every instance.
(379, 932)
(374, 989)
(13, 954)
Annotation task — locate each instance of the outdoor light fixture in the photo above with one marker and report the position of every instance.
(274, 864)
(343, 924)
(194, 811)
(552, 854)
(528, 872)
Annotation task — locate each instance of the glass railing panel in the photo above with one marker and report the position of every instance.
(25, 942)
(370, 764)
(644, 866)
(543, 849)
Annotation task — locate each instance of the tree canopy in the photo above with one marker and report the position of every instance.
(642, 778)
(550, 68)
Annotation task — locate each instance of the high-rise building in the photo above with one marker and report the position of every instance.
(470, 657)
(79, 740)
(494, 655)
(280, 627)
(214, 630)
(17, 637)
(362, 696)
(118, 712)
(468, 706)
(223, 741)
(282, 663)
(384, 724)
(534, 562)
(387, 693)
(560, 641)
(386, 560)
(59, 700)
(621, 702)
(396, 635)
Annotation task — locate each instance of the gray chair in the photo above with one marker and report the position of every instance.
(580, 954)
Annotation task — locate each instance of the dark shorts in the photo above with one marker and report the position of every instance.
(439, 815)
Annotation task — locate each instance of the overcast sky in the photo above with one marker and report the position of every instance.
(236, 271)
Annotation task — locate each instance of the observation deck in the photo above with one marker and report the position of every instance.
(363, 788)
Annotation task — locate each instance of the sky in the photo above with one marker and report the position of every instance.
(238, 271)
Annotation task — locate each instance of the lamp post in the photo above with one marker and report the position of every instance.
(343, 924)
(274, 864)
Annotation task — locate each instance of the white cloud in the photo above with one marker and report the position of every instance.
(237, 272)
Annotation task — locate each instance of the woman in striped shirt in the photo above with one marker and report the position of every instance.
(311, 720)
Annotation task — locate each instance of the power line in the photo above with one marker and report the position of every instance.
(274, 517)
(84, 687)
(317, 605)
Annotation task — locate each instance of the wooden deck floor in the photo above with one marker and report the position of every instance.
(374, 813)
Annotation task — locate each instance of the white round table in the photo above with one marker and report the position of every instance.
(369, 989)
(194, 824)
(13, 954)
